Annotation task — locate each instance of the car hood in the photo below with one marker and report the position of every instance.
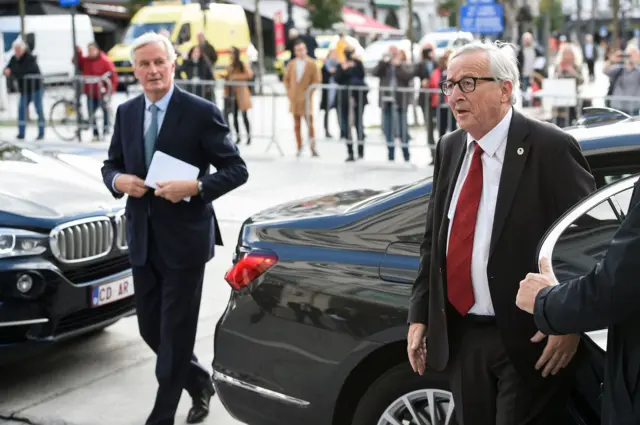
(50, 187)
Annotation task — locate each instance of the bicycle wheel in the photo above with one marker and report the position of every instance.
(63, 118)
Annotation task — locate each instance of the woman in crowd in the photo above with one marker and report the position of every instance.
(352, 97)
(195, 72)
(446, 120)
(237, 93)
(568, 65)
(329, 98)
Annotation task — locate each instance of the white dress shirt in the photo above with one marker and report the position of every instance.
(494, 145)
(162, 105)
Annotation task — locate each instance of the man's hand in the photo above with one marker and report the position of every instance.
(176, 191)
(532, 284)
(417, 347)
(558, 352)
(131, 185)
(7, 72)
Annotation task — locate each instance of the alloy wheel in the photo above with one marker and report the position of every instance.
(420, 407)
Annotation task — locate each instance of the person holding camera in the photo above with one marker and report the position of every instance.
(352, 96)
(624, 79)
(395, 75)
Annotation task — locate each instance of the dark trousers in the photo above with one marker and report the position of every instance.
(591, 67)
(168, 304)
(23, 105)
(231, 105)
(345, 125)
(93, 105)
(428, 113)
(487, 389)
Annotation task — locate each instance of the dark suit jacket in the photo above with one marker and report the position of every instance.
(194, 131)
(607, 296)
(536, 188)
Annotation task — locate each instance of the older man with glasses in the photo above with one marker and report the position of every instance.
(499, 182)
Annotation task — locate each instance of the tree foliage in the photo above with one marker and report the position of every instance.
(323, 14)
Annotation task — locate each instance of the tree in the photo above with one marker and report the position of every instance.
(324, 13)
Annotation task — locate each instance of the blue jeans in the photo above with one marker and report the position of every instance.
(25, 101)
(93, 105)
(393, 116)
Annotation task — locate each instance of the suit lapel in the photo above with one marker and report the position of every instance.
(138, 135)
(458, 153)
(171, 118)
(515, 159)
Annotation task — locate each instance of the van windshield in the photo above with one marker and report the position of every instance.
(8, 38)
(136, 30)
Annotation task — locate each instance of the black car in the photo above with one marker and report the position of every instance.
(64, 266)
(315, 328)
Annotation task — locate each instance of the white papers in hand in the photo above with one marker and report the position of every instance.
(165, 168)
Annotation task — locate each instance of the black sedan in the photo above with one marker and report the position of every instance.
(64, 266)
(315, 328)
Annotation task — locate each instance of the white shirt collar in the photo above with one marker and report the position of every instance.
(493, 139)
(163, 103)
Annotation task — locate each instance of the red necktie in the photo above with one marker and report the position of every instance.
(460, 249)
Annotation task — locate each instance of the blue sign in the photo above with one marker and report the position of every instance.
(482, 18)
(69, 3)
(480, 1)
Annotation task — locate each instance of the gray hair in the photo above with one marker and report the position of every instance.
(19, 43)
(152, 37)
(503, 63)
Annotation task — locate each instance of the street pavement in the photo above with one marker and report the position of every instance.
(108, 378)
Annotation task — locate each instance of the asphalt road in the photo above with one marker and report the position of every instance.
(108, 378)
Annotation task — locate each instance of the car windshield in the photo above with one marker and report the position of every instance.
(8, 38)
(136, 30)
(324, 43)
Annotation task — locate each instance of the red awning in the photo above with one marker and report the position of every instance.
(359, 22)
(363, 24)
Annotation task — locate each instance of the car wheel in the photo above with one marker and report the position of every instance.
(401, 396)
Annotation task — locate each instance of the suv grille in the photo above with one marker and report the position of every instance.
(82, 240)
(121, 227)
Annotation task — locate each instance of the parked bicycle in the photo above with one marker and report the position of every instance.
(67, 117)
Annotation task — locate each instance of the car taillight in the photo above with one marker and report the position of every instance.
(251, 266)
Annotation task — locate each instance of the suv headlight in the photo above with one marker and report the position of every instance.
(17, 242)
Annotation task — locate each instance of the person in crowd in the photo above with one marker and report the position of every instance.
(445, 119)
(394, 74)
(170, 240)
(623, 70)
(567, 66)
(208, 51)
(301, 74)
(527, 54)
(590, 55)
(341, 47)
(24, 70)
(352, 97)
(237, 93)
(606, 297)
(310, 42)
(329, 98)
(195, 73)
(294, 36)
(97, 65)
(483, 227)
(423, 71)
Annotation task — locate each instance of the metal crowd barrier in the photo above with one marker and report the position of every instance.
(261, 117)
(408, 115)
(67, 105)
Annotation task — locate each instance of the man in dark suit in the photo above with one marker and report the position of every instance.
(606, 297)
(170, 239)
(499, 182)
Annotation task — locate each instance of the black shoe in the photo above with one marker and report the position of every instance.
(200, 408)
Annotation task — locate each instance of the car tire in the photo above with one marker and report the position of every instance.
(391, 385)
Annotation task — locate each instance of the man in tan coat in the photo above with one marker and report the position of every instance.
(301, 73)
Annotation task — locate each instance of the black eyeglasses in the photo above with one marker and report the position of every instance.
(466, 84)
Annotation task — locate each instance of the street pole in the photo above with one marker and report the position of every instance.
(76, 83)
(258, 24)
(22, 11)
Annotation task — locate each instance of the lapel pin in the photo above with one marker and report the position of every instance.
(520, 151)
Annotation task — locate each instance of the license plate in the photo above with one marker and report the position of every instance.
(112, 291)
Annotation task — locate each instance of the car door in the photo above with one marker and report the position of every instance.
(581, 237)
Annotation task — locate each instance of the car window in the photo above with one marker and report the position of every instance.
(584, 236)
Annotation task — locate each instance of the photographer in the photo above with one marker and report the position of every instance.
(353, 93)
(624, 79)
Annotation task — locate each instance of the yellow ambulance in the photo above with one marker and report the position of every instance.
(225, 26)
